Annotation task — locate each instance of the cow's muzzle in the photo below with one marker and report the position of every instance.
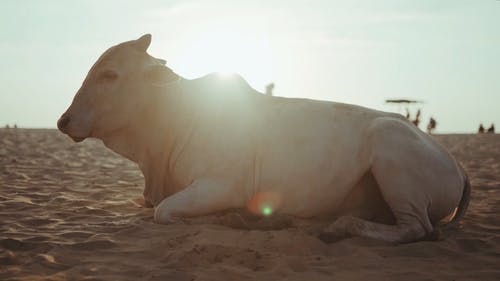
(63, 122)
(63, 125)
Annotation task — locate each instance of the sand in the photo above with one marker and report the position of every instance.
(70, 212)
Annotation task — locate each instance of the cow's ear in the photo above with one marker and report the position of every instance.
(143, 42)
(160, 74)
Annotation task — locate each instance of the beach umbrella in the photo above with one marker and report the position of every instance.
(402, 101)
(398, 101)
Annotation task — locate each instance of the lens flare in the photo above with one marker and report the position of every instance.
(264, 203)
(267, 211)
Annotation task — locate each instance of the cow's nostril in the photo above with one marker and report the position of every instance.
(63, 122)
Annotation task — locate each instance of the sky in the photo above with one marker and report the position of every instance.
(444, 53)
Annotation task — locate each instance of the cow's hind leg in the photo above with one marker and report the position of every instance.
(348, 226)
(411, 220)
(409, 170)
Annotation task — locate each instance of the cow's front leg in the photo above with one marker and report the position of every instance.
(200, 198)
(142, 202)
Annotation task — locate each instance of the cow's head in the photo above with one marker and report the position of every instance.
(114, 90)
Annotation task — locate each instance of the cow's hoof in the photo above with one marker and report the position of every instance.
(164, 217)
(338, 230)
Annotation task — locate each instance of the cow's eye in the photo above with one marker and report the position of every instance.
(107, 76)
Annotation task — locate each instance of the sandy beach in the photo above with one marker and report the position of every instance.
(70, 211)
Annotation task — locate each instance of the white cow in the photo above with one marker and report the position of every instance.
(214, 143)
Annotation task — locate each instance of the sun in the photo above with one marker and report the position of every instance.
(228, 51)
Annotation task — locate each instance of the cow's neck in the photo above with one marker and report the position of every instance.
(148, 129)
(150, 138)
(126, 142)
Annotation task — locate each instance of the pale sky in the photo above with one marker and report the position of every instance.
(445, 53)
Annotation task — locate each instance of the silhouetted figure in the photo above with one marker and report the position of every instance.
(432, 125)
(491, 129)
(481, 129)
(407, 114)
(416, 122)
(7, 126)
(269, 89)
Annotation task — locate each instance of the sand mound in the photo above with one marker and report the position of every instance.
(69, 212)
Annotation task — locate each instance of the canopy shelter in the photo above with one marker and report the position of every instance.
(403, 105)
(402, 101)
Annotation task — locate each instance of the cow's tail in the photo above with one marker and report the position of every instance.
(463, 205)
(437, 233)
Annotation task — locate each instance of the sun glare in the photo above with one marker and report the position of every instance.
(228, 52)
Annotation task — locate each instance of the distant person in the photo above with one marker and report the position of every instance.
(407, 114)
(481, 129)
(269, 89)
(491, 129)
(432, 125)
(416, 122)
